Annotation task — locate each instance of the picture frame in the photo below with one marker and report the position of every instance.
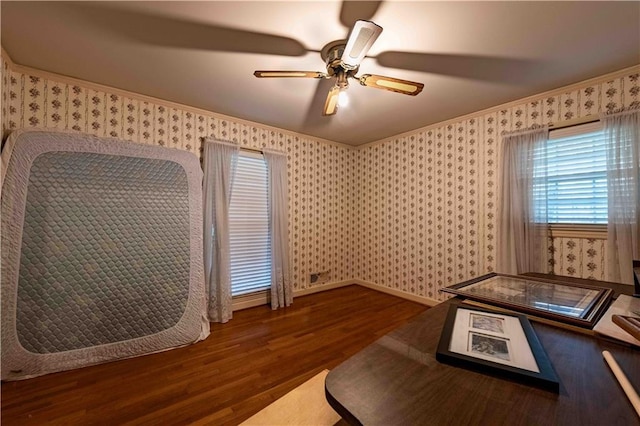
(561, 301)
(636, 278)
(495, 343)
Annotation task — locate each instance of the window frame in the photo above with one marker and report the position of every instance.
(242, 298)
(577, 230)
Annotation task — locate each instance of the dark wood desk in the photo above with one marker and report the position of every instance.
(397, 381)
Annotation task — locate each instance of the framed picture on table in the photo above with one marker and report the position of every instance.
(576, 304)
(495, 343)
(636, 278)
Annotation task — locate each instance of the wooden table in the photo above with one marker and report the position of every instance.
(397, 381)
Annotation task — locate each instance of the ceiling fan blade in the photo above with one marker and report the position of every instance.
(351, 11)
(312, 118)
(405, 87)
(362, 37)
(331, 104)
(289, 74)
(487, 68)
(167, 31)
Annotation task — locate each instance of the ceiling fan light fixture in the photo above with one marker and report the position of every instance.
(343, 99)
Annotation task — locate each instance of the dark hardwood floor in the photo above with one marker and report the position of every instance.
(241, 368)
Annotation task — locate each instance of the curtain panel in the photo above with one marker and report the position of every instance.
(278, 190)
(523, 231)
(622, 139)
(220, 159)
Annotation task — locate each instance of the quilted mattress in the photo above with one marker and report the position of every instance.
(101, 251)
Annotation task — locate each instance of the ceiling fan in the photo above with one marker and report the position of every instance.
(343, 61)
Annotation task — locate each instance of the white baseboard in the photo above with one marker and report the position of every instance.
(398, 293)
(261, 298)
(323, 287)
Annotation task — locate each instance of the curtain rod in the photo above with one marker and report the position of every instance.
(574, 122)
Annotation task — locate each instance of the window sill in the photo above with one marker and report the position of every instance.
(596, 232)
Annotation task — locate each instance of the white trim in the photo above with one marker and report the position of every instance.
(323, 287)
(259, 299)
(398, 293)
(262, 298)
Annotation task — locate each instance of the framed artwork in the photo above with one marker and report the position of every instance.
(496, 343)
(636, 278)
(571, 303)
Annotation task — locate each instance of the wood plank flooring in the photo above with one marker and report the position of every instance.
(241, 368)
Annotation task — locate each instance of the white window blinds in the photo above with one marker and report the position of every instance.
(249, 227)
(577, 175)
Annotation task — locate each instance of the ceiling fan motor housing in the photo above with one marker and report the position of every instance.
(332, 54)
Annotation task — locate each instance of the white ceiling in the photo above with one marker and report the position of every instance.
(469, 55)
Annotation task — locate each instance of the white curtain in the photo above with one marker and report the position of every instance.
(220, 159)
(622, 138)
(281, 287)
(523, 231)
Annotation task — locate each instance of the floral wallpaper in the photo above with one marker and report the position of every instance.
(429, 199)
(582, 258)
(422, 212)
(322, 226)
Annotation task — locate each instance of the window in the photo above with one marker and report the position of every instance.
(249, 227)
(577, 175)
